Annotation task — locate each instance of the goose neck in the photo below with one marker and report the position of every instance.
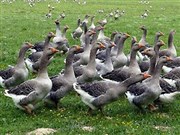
(21, 56)
(120, 46)
(144, 34)
(58, 31)
(108, 56)
(68, 66)
(157, 71)
(133, 61)
(170, 40)
(92, 58)
(152, 65)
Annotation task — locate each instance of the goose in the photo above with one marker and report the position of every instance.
(143, 38)
(84, 56)
(143, 42)
(63, 44)
(62, 83)
(102, 38)
(116, 16)
(133, 41)
(145, 14)
(116, 39)
(86, 19)
(78, 31)
(148, 91)
(153, 54)
(97, 29)
(101, 55)
(62, 15)
(58, 31)
(120, 59)
(168, 86)
(171, 50)
(49, 14)
(82, 37)
(33, 64)
(157, 36)
(103, 22)
(107, 65)
(92, 27)
(17, 74)
(97, 94)
(60, 41)
(169, 92)
(125, 72)
(89, 72)
(29, 93)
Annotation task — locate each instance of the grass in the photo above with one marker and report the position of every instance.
(20, 23)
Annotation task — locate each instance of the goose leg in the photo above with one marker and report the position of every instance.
(27, 109)
(152, 107)
(101, 110)
(139, 106)
(89, 111)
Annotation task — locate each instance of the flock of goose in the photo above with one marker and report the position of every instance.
(98, 70)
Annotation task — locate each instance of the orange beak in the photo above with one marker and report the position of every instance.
(30, 45)
(93, 32)
(101, 45)
(53, 35)
(140, 45)
(56, 21)
(78, 47)
(113, 44)
(169, 59)
(162, 43)
(54, 50)
(134, 38)
(146, 75)
(162, 34)
(127, 35)
(67, 27)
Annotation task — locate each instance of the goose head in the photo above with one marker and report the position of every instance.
(56, 22)
(99, 45)
(133, 40)
(112, 44)
(117, 37)
(92, 18)
(172, 32)
(149, 52)
(159, 34)
(76, 49)
(143, 28)
(98, 28)
(165, 59)
(28, 45)
(125, 36)
(90, 33)
(160, 44)
(51, 50)
(51, 35)
(113, 35)
(137, 46)
(66, 28)
(102, 22)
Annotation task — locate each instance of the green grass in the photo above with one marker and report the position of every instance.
(19, 23)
